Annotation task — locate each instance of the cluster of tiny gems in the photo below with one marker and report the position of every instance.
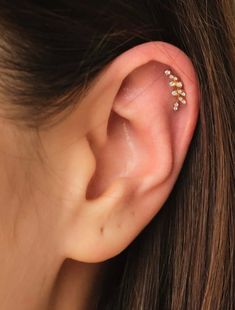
(177, 91)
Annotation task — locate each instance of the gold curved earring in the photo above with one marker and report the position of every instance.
(177, 91)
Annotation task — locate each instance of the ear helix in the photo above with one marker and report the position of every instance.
(177, 91)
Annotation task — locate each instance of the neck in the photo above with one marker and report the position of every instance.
(77, 286)
(32, 280)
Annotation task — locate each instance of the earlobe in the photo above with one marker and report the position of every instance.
(148, 113)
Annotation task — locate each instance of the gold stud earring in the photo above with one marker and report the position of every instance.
(177, 91)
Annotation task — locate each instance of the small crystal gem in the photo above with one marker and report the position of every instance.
(179, 84)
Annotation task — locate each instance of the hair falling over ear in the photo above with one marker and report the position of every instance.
(49, 54)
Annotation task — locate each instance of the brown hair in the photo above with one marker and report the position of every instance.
(50, 51)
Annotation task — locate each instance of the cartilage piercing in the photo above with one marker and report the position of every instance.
(178, 92)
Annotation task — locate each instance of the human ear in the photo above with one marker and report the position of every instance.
(136, 143)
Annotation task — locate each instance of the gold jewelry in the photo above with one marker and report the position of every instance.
(178, 90)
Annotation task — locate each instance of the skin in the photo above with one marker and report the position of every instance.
(77, 194)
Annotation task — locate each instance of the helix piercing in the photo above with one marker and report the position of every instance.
(177, 91)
